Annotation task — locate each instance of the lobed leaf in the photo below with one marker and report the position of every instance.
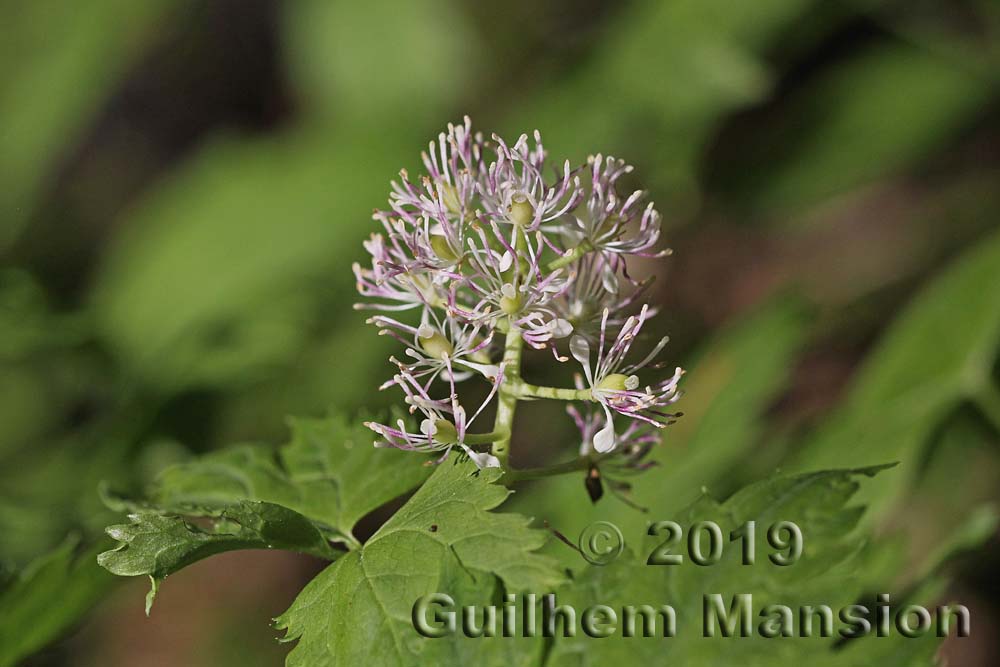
(444, 539)
(158, 545)
(833, 570)
(328, 472)
(310, 493)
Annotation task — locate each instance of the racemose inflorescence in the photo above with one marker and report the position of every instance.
(491, 255)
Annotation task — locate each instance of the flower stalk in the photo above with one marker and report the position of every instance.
(507, 402)
(524, 390)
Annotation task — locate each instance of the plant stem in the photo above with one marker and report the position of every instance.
(525, 390)
(507, 400)
(576, 465)
(485, 438)
(571, 256)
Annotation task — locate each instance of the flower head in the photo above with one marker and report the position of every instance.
(614, 384)
(444, 425)
(507, 282)
(612, 224)
(486, 244)
(514, 190)
(435, 346)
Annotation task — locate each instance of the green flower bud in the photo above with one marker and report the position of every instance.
(436, 345)
(481, 356)
(446, 432)
(449, 197)
(520, 210)
(619, 382)
(510, 299)
(509, 305)
(441, 248)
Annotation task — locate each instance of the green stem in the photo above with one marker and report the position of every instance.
(987, 400)
(507, 402)
(520, 241)
(571, 256)
(576, 465)
(485, 438)
(526, 390)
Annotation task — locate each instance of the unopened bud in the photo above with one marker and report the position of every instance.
(510, 301)
(449, 197)
(445, 432)
(435, 345)
(520, 210)
(441, 248)
(619, 382)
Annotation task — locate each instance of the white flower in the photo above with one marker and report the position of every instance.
(615, 386)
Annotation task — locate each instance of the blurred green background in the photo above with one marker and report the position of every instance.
(184, 185)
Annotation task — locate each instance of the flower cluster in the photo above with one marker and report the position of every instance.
(490, 253)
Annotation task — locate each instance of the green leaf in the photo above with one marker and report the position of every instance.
(157, 545)
(39, 603)
(833, 570)
(936, 355)
(215, 317)
(444, 539)
(245, 497)
(330, 473)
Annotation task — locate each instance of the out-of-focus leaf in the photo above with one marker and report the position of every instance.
(47, 597)
(220, 274)
(881, 111)
(47, 491)
(970, 534)
(831, 571)
(937, 354)
(941, 519)
(444, 539)
(27, 324)
(735, 378)
(330, 472)
(57, 62)
(158, 545)
(659, 80)
(35, 365)
(420, 53)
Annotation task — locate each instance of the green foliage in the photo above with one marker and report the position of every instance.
(156, 545)
(177, 318)
(47, 597)
(329, 472)
(225, 285)
(887, 108)
(422, 58)
(317, 488)
(936, 356)
(834, 570)
(444, 539)
(667, 72)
